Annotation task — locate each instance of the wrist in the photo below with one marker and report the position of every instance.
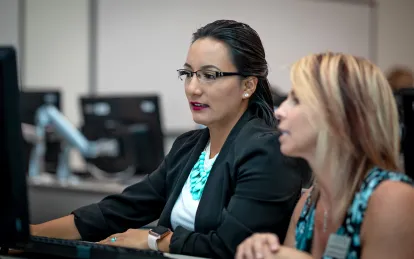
(164, 244)
(34, 229)
(156, 238)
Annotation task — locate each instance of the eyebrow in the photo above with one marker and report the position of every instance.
(187, 65)
(203, 67)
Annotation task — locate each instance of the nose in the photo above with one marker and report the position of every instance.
(280, 112)
(193, 86)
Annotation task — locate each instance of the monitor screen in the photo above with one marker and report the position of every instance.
(13, 194)
(135, 121)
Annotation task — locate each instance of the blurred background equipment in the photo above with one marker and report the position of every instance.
(30, 101)
(401, 80)
(13, 198)
(136, 122)
(400, 77)
(406, 109)
(121, 135)
(48, 117)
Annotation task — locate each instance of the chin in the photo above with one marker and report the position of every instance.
(286, 151)
(199, 120)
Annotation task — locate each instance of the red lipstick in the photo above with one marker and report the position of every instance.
(196, 106)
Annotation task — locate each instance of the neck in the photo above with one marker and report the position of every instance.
(323, 177)
(331, 197)
(326, 196)
(219, 133)
(217, 139)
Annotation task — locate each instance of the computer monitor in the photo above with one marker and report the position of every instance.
(405, 101)
(135, 121)
(14, 215)
(30, 101)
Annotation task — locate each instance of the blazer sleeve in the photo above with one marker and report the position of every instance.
(267, 189)
(138, 205)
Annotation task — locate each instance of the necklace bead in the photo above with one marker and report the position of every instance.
(198, 177)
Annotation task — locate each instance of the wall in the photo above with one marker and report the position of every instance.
(9, 20)
(395, 38)
(395, 33)
(140, 46)
(10, 24)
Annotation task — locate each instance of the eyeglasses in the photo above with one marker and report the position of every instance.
(205, 76)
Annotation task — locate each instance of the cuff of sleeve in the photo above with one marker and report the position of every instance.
(90, 223)
(178, 239)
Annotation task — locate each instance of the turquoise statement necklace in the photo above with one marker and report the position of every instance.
(199, 175)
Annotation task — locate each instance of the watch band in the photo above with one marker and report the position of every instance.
(152, 242)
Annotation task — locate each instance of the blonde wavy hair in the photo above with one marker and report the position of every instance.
(357, 119)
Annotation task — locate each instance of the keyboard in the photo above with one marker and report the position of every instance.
(84, 250)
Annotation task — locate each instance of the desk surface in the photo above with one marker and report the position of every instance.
(19, 255)
(46, 180)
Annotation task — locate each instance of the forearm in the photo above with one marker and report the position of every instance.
(59, 228)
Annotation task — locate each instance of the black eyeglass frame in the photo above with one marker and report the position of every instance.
(217, 73)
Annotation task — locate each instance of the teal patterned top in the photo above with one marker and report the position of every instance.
(351, 226)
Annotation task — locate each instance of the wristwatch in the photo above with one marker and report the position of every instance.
(156, 234)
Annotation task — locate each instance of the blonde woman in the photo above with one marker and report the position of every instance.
(341, 117)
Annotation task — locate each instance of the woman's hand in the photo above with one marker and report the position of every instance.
(267, 246)
(137, 239)
(285, 252)
(132, 238)
(258, 246)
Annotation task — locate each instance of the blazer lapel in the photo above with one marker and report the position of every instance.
(209, 210)
(183, 176)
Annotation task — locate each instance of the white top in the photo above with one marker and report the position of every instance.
(185, 208)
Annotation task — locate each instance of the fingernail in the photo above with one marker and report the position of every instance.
(259, 255)
(274, 247)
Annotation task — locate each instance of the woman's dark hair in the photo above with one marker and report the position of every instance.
(248, 56)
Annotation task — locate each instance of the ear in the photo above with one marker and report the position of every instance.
(249, 86)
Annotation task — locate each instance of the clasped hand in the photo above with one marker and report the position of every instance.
(267, 246)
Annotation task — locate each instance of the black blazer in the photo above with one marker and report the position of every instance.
(251, 188)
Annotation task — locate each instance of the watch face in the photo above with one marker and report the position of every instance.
(160, 230)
